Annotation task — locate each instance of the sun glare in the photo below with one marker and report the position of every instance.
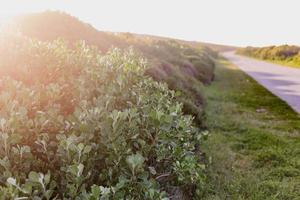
(4, 19)
(12, 8)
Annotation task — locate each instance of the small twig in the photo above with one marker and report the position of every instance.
(162, 176)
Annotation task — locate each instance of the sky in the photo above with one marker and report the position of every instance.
(232, 22)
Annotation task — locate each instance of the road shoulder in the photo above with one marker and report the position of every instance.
(282, 81)
(254, 142)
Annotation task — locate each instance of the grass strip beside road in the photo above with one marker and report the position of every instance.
(254, 142)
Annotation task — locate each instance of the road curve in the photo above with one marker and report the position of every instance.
(282, 81)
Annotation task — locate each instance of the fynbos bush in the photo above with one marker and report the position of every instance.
(75, 124)
(276, 53)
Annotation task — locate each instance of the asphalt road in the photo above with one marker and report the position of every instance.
(282, 81)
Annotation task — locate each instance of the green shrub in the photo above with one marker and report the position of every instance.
(281, 53)
(79, 125)
(170, 60)
(184, 69)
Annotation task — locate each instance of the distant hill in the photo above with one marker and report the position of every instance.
(50, 25)
(218, 47)
(195, 44)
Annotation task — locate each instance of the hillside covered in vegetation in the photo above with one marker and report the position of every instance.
(183, 66)
(284, 54)
(112, 116)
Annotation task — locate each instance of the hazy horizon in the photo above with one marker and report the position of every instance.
(232, 22)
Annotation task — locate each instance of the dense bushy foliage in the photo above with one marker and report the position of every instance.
(183, 59)
(75, 124)
(288, 53)
(181, 66)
